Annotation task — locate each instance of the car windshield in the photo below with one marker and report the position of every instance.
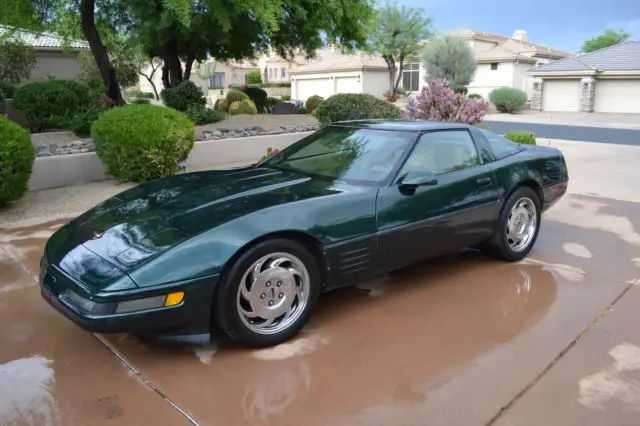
(348, 154)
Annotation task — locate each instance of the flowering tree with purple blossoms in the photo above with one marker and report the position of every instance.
(437, 102)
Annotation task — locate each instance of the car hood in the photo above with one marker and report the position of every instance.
(133, 227)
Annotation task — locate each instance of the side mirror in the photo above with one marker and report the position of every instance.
(419, 178)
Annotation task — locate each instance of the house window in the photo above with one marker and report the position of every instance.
(283, 73)
(270, 73)
(494, 66)
(411, 77)
(216, 80)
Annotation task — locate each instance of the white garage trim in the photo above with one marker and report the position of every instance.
(561, 95)
(621, 96)
(325, 84)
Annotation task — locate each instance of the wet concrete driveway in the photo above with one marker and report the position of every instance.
(462, 340)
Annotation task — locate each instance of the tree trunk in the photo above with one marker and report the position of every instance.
(172, 62)
(391, 66)
(187, 67)
(107, 71)
(400, 68)
(165, 75)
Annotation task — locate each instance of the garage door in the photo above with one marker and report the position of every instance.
(348, 85)
(618, 96)
(305, 88)
(561, 95)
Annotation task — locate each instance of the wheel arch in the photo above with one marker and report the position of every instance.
(309, 241)
(529, 183)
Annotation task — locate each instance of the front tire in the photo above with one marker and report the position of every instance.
(518, 227)
(267, 295)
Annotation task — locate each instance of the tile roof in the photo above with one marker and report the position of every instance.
(328, 59)
(524, 46)
(44, 39)
(621, 57)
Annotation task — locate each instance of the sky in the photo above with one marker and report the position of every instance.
(559, 24)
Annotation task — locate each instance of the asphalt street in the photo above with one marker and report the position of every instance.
(573, 133)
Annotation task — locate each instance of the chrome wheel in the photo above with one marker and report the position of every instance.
(273, 293)
(521, 225)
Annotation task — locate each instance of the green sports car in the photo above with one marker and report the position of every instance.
(251, 249)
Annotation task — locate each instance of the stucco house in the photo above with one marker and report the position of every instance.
(503, 61)
(332, 72)
(54, 57)
(607, 80)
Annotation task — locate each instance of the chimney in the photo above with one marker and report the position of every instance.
(520, 35)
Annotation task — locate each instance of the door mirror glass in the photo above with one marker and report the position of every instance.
(419, 178)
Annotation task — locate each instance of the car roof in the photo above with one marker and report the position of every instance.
(402, 125)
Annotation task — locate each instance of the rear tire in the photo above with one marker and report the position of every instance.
(267, 295)
(518, 227)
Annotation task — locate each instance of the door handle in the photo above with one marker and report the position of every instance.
(483, 181)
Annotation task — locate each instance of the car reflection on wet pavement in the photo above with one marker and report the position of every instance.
(451, 341)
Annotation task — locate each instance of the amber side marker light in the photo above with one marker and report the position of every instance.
(174, 299)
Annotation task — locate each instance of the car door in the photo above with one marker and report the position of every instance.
(459, 208)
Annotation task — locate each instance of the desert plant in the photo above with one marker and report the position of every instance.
(16, 160)
(474, 96)
(313, 102)
(50, 104)
(202, 115)
(183, 96)
(235, 108)
(248, 107)
(450, 58)
(142, 142)
(285, 98)
(258, 96)
(236, 96)
(302, 110)
(401, 91)
(355, 106)
(460, 90)
(7, 89)
(254, 77)
(437, 102)
(522, 137)
(221, 105)
(508, 99)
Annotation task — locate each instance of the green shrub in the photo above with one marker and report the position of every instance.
(138, 94)
(3, 109)
(202, 115)
(285, 98)
(254, 77)
(271, 101)
(82, 121)
(221, 105)
(258, 96)
(474, 96)
(48, 104)
(355, 106)
(460, 90)
(508, 99)
(142, 142)
(141, 101)
(236, 96)
(313, 102)
(183, 96)
(8, 90)
(522, 137)
(81, 90)
(16, 160)
(301, 110)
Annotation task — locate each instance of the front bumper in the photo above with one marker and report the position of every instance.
(191, 316)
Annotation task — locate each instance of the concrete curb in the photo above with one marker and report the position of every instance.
(64, 170)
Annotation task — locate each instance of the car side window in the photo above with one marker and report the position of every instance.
(442, 152)
(500, 145)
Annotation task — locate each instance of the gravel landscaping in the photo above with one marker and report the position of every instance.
(63, 143)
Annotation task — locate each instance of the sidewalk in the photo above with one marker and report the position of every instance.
(620, 121)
